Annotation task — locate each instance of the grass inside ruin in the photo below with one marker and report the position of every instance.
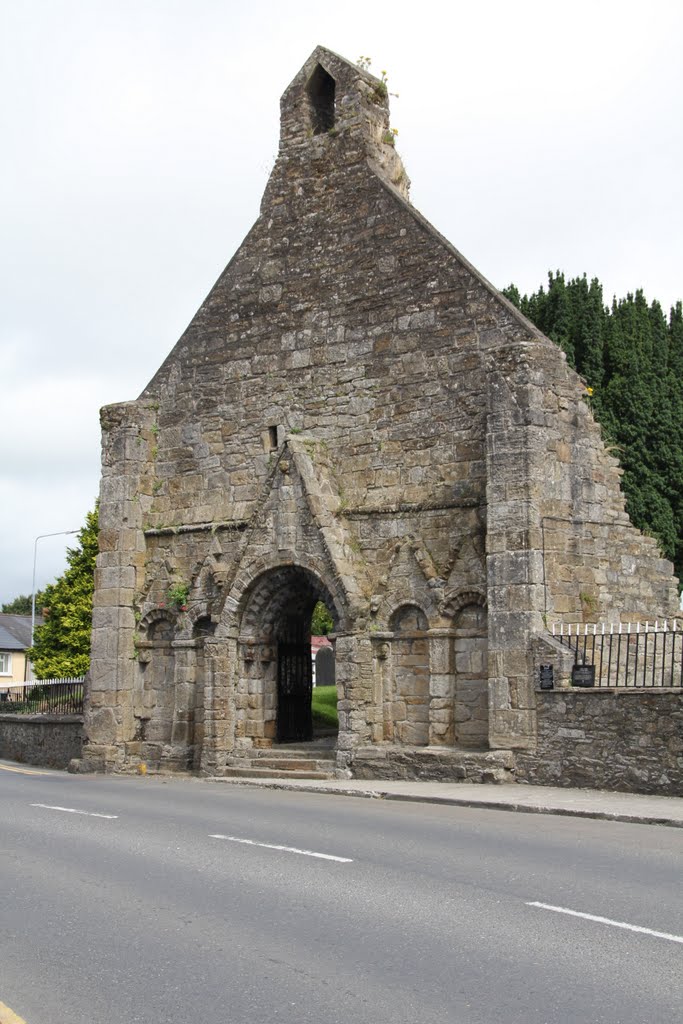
(324, 704)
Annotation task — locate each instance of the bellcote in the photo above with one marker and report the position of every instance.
(332, 109)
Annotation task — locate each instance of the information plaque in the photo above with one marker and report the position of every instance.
(583, 675)
(547, 677)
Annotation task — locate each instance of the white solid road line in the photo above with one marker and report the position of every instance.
(287, 849)
(608, 920)
(73, 810)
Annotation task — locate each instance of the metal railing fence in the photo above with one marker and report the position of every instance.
(626, 653)
(43, 697)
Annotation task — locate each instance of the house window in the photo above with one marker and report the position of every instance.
(5, 664)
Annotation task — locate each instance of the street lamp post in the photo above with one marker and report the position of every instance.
(60, 533)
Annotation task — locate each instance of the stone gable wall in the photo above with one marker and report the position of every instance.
(354, 398)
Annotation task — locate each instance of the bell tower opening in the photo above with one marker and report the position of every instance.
(320, 90)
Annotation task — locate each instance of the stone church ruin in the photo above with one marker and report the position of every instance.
(354, 416)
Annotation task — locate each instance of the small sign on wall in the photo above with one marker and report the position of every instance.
(547, 677)
(583, 675)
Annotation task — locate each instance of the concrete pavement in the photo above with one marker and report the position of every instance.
(636, 808)
(583, 803)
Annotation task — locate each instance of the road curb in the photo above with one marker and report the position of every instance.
(8, 1016)
(491, 805)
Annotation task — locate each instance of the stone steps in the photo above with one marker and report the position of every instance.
(284, 764)
(314, 761)
(253, 772)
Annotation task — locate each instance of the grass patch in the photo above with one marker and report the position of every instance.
(324, 705)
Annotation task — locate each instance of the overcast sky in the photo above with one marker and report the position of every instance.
(137, 137)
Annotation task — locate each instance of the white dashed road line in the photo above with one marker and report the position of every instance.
(286, 849)
(73, 810)
(608, 920)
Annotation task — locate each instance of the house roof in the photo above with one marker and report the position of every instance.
(317, 642)
(15, 631)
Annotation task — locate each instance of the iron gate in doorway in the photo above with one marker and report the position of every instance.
(294, 685)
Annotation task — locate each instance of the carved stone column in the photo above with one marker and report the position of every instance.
(220, 662)
(441, 688)
(360, 711)
(179, 755)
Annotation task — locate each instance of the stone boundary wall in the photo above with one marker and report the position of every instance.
(49, 742)
(617, 739)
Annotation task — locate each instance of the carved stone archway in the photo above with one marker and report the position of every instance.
(407, 690)
(273, 683)
(153, 698)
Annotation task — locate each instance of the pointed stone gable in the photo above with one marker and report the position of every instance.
(298, 523)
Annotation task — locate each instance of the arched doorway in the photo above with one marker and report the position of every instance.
(275, 688)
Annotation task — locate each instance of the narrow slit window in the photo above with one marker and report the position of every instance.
(320, 90)
(272, 438)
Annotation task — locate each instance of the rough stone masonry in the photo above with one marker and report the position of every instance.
(354, 415)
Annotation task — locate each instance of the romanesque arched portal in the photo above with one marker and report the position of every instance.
(274, 685)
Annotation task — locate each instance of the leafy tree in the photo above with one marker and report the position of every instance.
(19, 606)
(61, 645)
(321, 623)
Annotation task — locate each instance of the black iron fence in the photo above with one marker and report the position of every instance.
(624, 654)
(43, 697)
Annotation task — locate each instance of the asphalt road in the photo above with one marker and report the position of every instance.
(134, 911)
